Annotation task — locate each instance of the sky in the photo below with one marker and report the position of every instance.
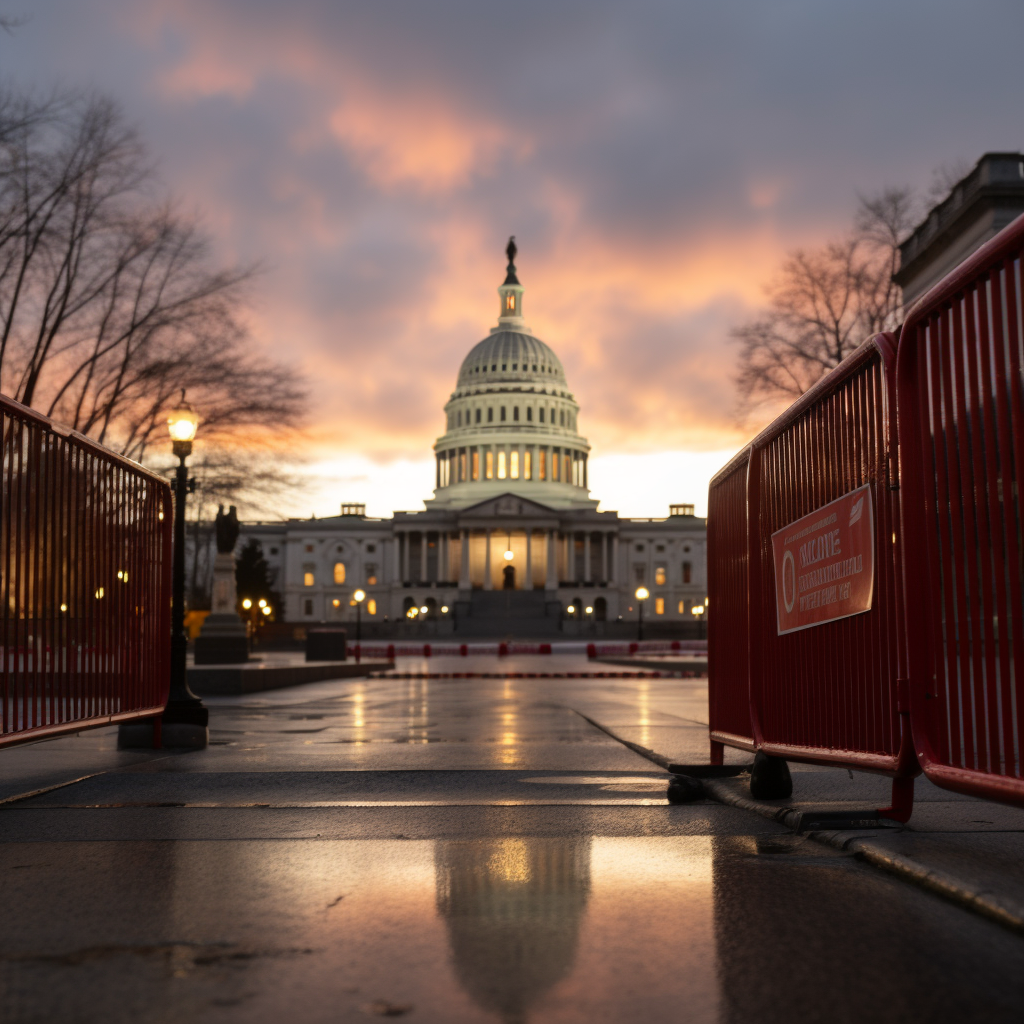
(655, 161)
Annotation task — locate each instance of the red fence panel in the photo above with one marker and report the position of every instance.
(961, 413)
(728, 642)
(824, 688)
(85, 539)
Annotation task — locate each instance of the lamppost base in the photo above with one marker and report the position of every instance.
(183, 726)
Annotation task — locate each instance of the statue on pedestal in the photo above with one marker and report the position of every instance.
(223, 639)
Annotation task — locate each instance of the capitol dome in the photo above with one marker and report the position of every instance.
(511, 420)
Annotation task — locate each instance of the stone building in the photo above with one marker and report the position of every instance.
(977, 208)
(511, 539)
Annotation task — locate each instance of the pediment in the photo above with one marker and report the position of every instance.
(507, 506)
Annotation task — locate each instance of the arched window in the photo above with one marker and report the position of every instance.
(600, 609)
(687, 572)
(490, 414)
(339, 573)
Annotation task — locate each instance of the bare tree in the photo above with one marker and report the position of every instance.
(110, 302)
(823, 304)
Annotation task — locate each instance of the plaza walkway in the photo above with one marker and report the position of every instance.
(455, 851)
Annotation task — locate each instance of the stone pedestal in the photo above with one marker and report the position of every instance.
(223, 640)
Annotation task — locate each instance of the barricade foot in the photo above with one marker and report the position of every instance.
(843, 821)
(902, 801)
(682, 789)
(770, 778)
(185, 725)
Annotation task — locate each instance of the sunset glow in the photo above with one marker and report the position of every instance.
(374, 164)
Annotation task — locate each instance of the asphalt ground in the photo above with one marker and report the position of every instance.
(469, 850)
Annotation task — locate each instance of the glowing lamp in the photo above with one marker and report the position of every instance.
(359, 595)
(424, 610)
(444, 609)
(182, 425)
(589, 610)
(263, 602)
(247, 604)
(265, 609)
(642, 593)
(509, 556)
(571, 609)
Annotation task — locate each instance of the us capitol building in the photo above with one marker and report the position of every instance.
(511, 539)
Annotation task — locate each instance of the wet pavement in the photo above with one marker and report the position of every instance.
(453, 850)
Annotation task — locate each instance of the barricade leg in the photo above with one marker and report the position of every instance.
(717, 753)
(770, 778)
(902, 800)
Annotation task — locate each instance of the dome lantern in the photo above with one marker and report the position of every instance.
(510, 312)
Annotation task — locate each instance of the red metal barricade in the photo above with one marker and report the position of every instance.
(85, 539)
(828, 694)
(961, 413)
(728, 647)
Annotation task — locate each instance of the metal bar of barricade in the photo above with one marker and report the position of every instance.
(84, 582)
(728, 647)
(961, 422)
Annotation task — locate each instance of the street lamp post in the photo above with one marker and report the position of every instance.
(698, 613)
(185, 720)
(642, 593)
(359, 597)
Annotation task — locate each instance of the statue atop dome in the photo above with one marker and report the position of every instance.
(510, 252)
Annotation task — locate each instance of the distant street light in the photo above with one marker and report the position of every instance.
(185, 718)
(697, 611)
(642, 593)
(359, 597)
(247, 603)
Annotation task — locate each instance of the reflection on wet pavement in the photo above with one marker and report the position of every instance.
(464, 851)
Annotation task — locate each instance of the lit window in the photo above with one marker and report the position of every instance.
(513, 465)
(339, 573)
(526, 465)
(682, 607)
(489, 465)
(371, 575)
(542, 460)
(567, 470)
(510, 302)
(687, 572)
(476, 464)
(659, 576)
(307, 579)
(501, 463)
(371, 606)
(659, 606)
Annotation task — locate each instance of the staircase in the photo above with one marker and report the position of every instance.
(506, 613)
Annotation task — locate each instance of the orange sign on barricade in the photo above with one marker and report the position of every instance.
(825, 563)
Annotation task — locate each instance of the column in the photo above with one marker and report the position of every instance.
(613, 565)
(588, 574)
(551, 583)
(487, 560)
(443, 568)
(423, 556)
(464, 581)
(403, 555)
(528, 582)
